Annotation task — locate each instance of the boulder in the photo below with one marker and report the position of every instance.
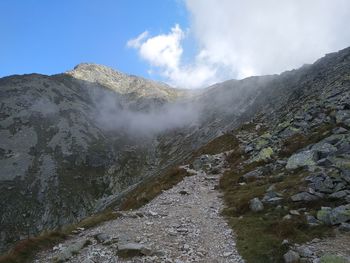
(345, 227)
(256, 205)
(343, 117)
(334, 216)
(339, 194)
(304, 196)
(324, 148)
(302, 159)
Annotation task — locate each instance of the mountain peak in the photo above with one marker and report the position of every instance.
(123, 83)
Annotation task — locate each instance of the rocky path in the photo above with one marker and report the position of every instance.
(183, 224)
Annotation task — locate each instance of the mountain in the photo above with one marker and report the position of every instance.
(74, 144)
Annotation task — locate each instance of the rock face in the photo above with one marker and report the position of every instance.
(73, 144)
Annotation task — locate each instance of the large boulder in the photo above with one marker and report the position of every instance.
(304, 196)
(302, 159)
(334, 216)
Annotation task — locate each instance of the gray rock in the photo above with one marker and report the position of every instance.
(334, 216)
(102, 238)
(345, 227)
(339, 130)
(302, 159)
(343, 117)
(291, 257)
(345, 175)
(324, 148)
(256, 205)
(132, 250)
(339, 195)
(305, 252)
(304, 196)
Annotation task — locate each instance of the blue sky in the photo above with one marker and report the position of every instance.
(50, 37)
(185, 43)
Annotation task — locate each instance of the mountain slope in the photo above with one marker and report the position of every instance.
(68, 144)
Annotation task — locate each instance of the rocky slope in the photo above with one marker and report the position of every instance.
(59, 151)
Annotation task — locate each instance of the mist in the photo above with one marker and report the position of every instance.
(143, 117)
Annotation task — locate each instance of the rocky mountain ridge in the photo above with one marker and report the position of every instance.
(55, 155)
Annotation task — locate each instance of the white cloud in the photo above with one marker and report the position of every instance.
(136, 42)
(263, 37)
(164, 53)
(240, 38)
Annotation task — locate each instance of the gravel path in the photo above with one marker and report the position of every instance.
(183, 224)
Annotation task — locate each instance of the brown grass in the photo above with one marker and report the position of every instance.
(26, 249)
(152, 188)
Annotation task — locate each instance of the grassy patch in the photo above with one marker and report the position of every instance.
(152, 187)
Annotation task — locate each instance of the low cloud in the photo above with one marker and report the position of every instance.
(114, 112)
(240, 38)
